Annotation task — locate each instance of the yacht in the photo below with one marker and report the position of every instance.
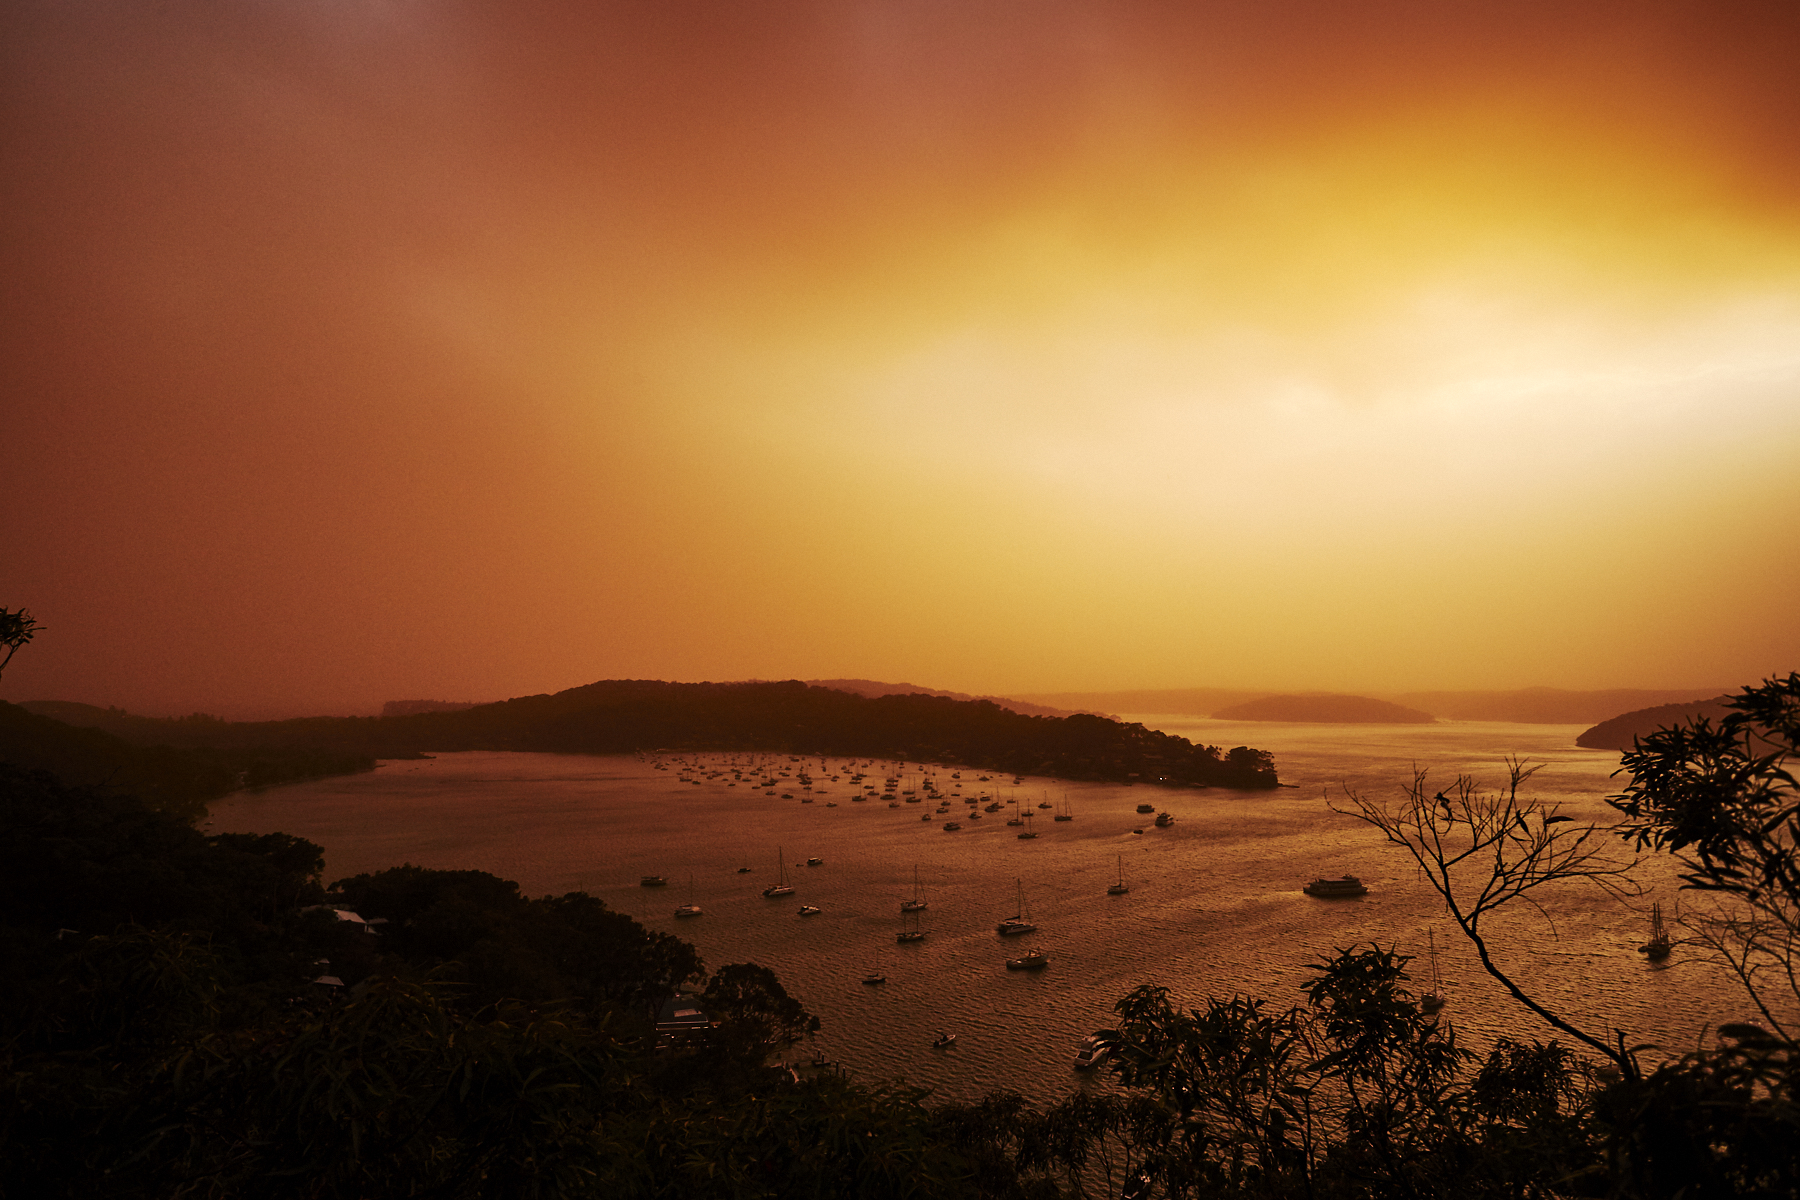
(1659, 945)
(1020, 921)
(917, 903)
(1091, 1050)
(781, 887)
(690, 909)
(1435, 999)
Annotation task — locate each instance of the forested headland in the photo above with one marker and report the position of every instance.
(627, 716)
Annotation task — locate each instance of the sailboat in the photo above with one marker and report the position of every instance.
(1119, 888)
(910, 932)
(1027, 832)
(690, 909)
(1659, 945)
(917, 903)
(1435, 999)
(781, 887)
(1067, 813)
(1019, 922)
(876, 974)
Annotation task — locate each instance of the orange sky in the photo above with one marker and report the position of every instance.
(360, 351)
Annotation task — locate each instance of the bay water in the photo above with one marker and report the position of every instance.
(1215, 903)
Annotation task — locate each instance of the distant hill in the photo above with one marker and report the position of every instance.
(406, 708)
(1545, 706)
(1195, 702)
(626, 715)
(871, 689)
(1622, 732)
(1325, 707)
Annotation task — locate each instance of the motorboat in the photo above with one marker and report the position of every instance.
(1164, 820)
(815, 861)
(952, 826)
(1347, 885)
(943, 1040)
(809, 910)
(1031, 960)
(653, 881)
(1092, 1050)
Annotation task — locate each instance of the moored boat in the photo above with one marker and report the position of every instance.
(781, 887)
(1020, 921)
(1659, 945)
(917, 903)
(1031, 960)
(1347, 885)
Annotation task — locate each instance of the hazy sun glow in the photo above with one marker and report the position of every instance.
(469, 353)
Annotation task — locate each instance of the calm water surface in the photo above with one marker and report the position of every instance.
(1215, 905)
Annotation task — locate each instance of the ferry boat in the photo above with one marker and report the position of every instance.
(1146, 808)
(1164, 820)
(1348, 885)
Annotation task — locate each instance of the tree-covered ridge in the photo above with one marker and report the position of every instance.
(171, 772)
(623, 716)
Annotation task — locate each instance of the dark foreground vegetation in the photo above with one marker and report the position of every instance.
(626, 716)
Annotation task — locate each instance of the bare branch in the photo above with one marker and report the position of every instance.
(1482, 851)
